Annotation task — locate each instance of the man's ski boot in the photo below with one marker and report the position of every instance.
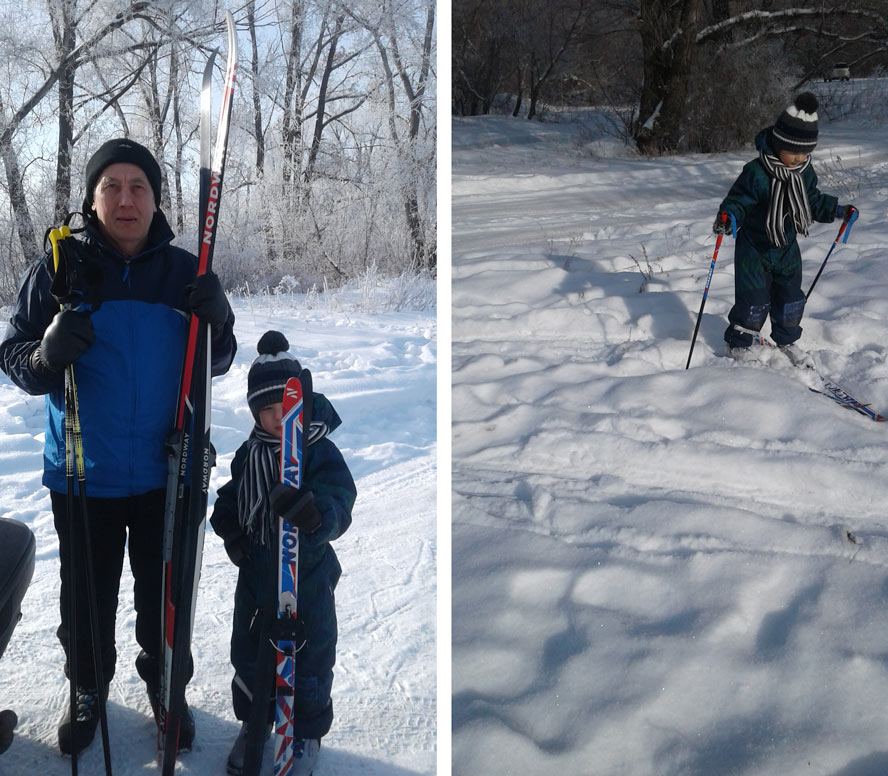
(8, 721)
(76, 735)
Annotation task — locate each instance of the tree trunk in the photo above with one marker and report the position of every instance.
(17, 197)
(519, 91)
(422, 253)
(291, 128)
(258, 129)
(679, 76)
(65, 35)
(320, 116)
(180, 142)
(259, 133)
(667, 70)
(535, 85)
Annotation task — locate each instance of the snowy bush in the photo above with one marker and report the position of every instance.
(371, 292)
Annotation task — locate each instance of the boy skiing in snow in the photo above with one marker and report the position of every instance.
(775, 198)
(246, 515)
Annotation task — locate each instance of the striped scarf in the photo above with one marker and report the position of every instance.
(261, 471)
(787, 191)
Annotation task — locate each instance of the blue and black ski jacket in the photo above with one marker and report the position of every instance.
(128, 381)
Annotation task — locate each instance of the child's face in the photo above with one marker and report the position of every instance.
(791, 158)
(270, 418)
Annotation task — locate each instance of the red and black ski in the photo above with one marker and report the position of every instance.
(189, 446)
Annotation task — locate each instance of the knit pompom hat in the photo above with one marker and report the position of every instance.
(270, 371)
(796, 128)
(120, 150)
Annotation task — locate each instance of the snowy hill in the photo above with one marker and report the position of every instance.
(379, 371)
(660, 571)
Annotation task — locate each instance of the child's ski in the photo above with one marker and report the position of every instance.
(845, 399)
(190, 450)
(295, 424)
(828, 387)
(281, 634)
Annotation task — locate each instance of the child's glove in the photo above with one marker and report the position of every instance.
(722, 223)
(846, 212)
(238, 548)
(297, 507)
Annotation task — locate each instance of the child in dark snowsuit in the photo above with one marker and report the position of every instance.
(775, 198)
(245, 517)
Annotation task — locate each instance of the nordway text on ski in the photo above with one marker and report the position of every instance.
(212, 203)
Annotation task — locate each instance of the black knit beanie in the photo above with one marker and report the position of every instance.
(270, 371)
(120, 150)
(796, 128)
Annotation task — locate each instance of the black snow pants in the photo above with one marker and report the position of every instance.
(112, 520)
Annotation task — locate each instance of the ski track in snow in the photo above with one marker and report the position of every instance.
(379, 372)
(659, 571)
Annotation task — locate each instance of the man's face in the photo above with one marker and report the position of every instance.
(124, 205)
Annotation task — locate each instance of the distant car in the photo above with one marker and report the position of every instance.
(840, 72)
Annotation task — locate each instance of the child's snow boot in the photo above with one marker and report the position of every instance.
(739, 353)
(235, 763)
(305, 752)
(798, 356)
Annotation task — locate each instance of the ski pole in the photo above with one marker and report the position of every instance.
(54, 236)
(724, 217)
(75, 466)
(847, 221)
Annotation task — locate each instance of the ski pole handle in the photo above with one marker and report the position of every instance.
(55, 236)
(849, 219)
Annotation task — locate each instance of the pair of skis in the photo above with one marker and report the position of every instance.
(189, 450)
(282, 635)
(191, 458)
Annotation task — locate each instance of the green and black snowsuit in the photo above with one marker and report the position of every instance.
(328, 477)
(768, 277)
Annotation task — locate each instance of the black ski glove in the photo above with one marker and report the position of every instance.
(207, 299)
(297, 507)
(238, 548)
(723, 224)
(846, 212)
(67, 338)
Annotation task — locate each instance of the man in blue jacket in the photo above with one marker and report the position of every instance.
(127, 343)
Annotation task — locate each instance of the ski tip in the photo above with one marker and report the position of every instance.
(232, 35)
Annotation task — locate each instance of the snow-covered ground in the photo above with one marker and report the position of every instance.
(659, 571)
(379, 370)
